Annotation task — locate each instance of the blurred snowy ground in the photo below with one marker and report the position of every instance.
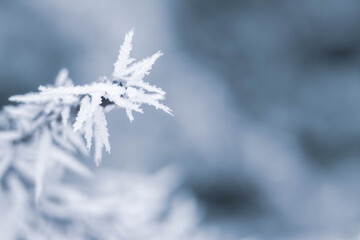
(265, 94)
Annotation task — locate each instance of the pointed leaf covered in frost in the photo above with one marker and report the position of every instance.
(124, 59)
(84, 112)
(101, 134)
(140, 69)
(125, 89)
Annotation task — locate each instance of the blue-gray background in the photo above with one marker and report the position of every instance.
(265, 94)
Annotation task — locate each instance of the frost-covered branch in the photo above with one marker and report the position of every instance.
(47, 127)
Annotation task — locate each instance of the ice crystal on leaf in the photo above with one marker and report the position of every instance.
(42, 121)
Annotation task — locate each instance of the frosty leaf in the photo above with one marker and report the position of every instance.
(82, 116)
(149, 88)
(124, 56)
(83, 107)
(101, 134)
(98, 87)
(30, 98)
(88, 132)
(138, 96)
(140, 69)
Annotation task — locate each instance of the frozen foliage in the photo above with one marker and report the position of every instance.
(119, 205)
(44, 131)
(42, 140)
(116, 208)
(125, 89)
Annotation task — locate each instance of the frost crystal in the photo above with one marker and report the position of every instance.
(43, 120)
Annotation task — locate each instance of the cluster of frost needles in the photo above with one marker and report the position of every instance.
(45, 129)
(41, 140)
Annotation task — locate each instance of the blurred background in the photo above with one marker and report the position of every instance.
(266, 94)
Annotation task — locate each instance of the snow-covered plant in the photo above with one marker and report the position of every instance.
(42, 137)
(118, 204)
(43, 133)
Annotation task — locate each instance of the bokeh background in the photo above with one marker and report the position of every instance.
(266, 94)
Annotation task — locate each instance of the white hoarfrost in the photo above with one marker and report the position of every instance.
(42, 120)
(42, 139)
(45, 135)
